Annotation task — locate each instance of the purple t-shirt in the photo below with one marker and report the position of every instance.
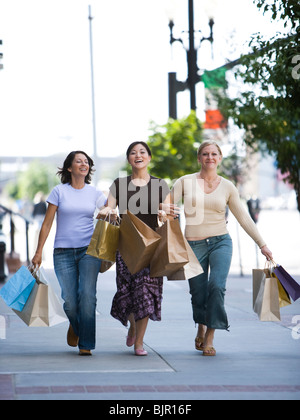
(75, 214)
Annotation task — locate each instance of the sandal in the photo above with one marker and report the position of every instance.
(85, 353)
(199, 343)
(140, 352)
(209, 351)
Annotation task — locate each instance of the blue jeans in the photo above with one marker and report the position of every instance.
(208, 289)
(77, 275)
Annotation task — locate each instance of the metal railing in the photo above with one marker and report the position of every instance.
(3, 212)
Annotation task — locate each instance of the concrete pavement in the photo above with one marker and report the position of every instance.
(254, 360)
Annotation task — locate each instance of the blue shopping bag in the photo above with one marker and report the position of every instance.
(17, 290)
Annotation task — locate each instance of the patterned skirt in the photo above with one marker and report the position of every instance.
(137, 294)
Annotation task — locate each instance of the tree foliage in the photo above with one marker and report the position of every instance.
(269, 110)
(174, 151)
(174, 147)
(37, 178)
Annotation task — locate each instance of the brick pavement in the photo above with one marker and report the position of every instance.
(8, 391)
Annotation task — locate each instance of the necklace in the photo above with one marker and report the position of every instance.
(210, 184)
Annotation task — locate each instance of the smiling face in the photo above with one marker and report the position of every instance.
(80, 166)
(139, 157)
(210, 157)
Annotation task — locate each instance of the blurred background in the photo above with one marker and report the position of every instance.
(95, 76)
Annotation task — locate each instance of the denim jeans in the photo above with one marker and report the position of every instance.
(208, 289)
(77, 275)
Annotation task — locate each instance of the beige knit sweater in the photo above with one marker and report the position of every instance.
(205, 213)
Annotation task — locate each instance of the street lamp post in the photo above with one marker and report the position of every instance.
(1, 56)
(192, 58)
(95, 153)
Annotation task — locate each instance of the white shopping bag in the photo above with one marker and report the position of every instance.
(43, 308)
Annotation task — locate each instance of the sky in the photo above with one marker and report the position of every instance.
(45, 86)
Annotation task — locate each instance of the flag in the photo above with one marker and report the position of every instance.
(215, 83)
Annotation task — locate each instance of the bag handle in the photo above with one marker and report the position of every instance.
(274, 263)
(34, 270)
(115, 222)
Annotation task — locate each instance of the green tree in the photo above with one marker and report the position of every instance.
(174, 147)
(37, 178)
(269, 110)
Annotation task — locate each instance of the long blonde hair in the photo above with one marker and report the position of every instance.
(209, 143)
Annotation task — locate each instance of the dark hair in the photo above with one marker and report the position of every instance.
(135, 144)
(65, 175)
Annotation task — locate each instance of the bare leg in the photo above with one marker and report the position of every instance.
(141, 327)
(209, 337)
(199, 341)
(209, 343)
(202, 330)
(132, 328)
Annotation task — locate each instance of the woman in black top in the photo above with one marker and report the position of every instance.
(138, 296)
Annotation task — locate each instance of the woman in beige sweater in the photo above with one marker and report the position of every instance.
(206, 196)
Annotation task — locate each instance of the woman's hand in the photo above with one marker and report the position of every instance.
(103, 213)
(108, 211)
(267, 253)
(170, 209)
(37, 260)
(162, 216)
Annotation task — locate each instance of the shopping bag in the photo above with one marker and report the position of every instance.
(171, 253)
(43, 308)
(284, 298)
(258, 276)
(137, 243)
(192, 269)
(287, 281)
(265, 296)
(16, 291)
(105, 240)
(105, 266)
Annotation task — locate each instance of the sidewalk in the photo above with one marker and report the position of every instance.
(254, 361)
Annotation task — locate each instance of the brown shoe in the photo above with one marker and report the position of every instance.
(72, 338)
(85, 353)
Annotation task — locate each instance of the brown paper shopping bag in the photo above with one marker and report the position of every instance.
(137, 243)
(284, 298)
(105, 241)
(42, 309)
(265, 296)
(171, 254)
(105, 266)
(191, 269)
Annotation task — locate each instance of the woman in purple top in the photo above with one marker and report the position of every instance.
(74, 202)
